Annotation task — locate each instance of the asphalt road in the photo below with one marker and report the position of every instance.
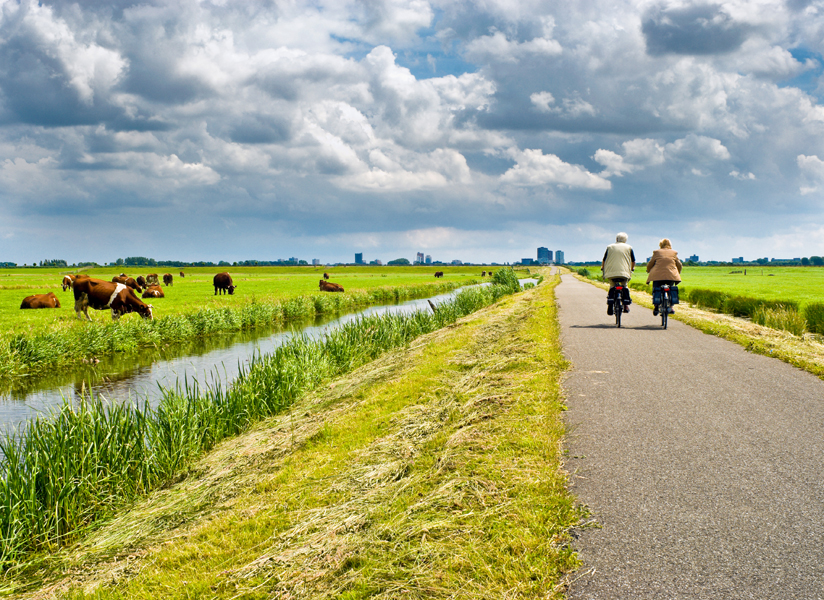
(701, 462)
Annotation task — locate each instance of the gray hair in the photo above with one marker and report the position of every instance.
(621, 237)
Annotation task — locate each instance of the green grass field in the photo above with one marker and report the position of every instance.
(801, 284)
(195, 291)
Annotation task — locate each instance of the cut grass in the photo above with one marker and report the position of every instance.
(432, 472)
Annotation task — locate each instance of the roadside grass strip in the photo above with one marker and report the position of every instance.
(433, 471)
(785, 340)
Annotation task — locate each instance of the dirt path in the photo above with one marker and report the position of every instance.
(701, 462)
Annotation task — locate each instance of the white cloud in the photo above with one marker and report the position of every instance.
(533, 168)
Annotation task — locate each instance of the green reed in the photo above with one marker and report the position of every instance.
(65, 470)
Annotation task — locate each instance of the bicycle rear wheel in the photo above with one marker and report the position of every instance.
(619, 308)
(664, 310)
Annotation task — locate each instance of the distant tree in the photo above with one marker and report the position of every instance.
(805, 261)
(399, 261)
(302, 262)
(817, 261)
(119, 262)
(763, 261)
(223, 263)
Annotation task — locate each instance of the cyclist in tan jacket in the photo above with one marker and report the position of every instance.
(618, 265)
(663, 267)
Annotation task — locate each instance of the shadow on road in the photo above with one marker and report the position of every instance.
(612, 326)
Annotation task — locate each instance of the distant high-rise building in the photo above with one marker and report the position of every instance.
(693, 258)
(544, 256)
(740, 259)
(419, 259)
(315, 262)
(429, 259)
(358, 258)
(559, 257)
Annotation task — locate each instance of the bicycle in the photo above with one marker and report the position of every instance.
(618, 303)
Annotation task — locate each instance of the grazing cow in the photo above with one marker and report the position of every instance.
(41, 301)
(223, 282)
(102, 295)
(141, 281)
(328, 286)
(68, 282)
(438, 274)
(483, 273)
(167, 279)
(154, 291)
(151, 279)
(128, 281)
(182, 274)
(326, 275)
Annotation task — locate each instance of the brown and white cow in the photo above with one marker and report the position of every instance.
(41, 301)
(326, 275)
(141, 281)
(128, 281)
(328, 286)
(182, 274)
(154, 291)
(223, 282)
(167, 279)
(438, 274)
(103, 295)
(68, 282)
(152, 279)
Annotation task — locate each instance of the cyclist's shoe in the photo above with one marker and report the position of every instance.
(610, 312)
(626, 307)
(655, 312)
(671, 311)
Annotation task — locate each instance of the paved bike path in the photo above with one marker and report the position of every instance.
(702, 463)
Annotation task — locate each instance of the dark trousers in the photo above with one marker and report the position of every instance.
(611, 295)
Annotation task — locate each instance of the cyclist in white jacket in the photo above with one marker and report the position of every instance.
(618, 265)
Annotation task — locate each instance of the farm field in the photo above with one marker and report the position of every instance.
(195, 291)
(801, 284)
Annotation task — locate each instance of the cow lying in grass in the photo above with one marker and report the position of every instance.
(41, 301)
(102, 295)
(154, 291)
(328, 286)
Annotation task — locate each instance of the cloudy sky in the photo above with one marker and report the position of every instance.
(232, 130)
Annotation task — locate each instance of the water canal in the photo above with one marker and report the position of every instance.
(141, 376)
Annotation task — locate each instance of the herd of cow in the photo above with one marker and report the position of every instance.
(120, 294)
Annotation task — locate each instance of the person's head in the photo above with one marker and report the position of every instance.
(665, 243)
(621, 238)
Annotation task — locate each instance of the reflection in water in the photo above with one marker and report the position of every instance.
(141, 376)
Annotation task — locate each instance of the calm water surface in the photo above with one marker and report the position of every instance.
(139, 377)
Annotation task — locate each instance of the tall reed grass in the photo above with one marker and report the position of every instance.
(785, 318)
(63, 471)
(22, 353)
(814, 313)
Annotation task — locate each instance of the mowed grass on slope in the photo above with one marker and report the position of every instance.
(433, 472)
(801, 284)
(195, 291)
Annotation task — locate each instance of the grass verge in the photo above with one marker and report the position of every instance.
(431, 472)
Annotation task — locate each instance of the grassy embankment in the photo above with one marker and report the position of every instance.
(433, 471)
(781, 306)
(36, 340)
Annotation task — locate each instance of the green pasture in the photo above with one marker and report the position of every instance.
(195, 291)
(800, 284)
